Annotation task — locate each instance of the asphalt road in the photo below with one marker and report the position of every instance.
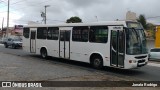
(147, 73)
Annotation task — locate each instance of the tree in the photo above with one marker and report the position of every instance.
(74, 20)
(143, 21)
(151, 28)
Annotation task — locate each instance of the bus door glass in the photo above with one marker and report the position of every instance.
(33, 41)
(117, 46)
(64, 44)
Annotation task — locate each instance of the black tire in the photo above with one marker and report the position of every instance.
(44, 54)
(5, 45)
(97, 62)
(13, 46)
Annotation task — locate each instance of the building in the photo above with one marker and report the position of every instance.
(131, 16)
(3, 32)
(157, 41)
(17, 30)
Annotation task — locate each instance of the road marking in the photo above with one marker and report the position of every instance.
(154, 64)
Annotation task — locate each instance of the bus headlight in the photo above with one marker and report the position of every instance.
(132, 61)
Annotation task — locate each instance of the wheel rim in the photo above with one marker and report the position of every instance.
(97, 62)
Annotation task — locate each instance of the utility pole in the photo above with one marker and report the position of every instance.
(45, 19)
(7, 31)
(96, 18)
(2, 28)
(2, 22)
(43, 16)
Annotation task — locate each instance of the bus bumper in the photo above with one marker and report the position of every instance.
(138, 64)
(142, 64)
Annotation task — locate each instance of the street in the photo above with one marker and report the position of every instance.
(17, 65)
(150, 72)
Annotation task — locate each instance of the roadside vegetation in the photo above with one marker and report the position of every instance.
(149, 27)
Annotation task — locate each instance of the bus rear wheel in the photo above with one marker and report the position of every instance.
(97, 62)
(44, 53)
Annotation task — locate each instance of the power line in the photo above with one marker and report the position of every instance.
(34, 4)
(25, 6)
(1, 1)
(13, 3)
(153, 17)
(18, 2)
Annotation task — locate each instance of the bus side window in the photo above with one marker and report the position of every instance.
(80, 33)
(98, 34)
(26, 32)
(49, 33)
(53, 33)
(92, 37)
(42, 33)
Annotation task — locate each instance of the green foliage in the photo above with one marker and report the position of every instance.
(143, 21)
(74, 20)
(151, 27)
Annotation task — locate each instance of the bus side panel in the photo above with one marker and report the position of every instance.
(101, 49)
(52, 47)
(81, 51)
(39, 44)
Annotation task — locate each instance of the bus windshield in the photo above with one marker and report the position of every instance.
(136, 41)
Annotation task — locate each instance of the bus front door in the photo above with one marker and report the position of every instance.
(33, 41)
(117, 46)
(64, 44)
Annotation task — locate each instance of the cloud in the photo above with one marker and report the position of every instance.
(60, 10)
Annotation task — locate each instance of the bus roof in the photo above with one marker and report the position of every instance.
(80, 24)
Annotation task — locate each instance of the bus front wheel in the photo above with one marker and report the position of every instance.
(97, 62)
(44, 53)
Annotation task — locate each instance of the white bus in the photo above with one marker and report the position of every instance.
(120, 44)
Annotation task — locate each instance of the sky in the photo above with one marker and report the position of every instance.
(23, 11)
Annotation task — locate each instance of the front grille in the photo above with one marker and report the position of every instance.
(140, 57)
(141, 61)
